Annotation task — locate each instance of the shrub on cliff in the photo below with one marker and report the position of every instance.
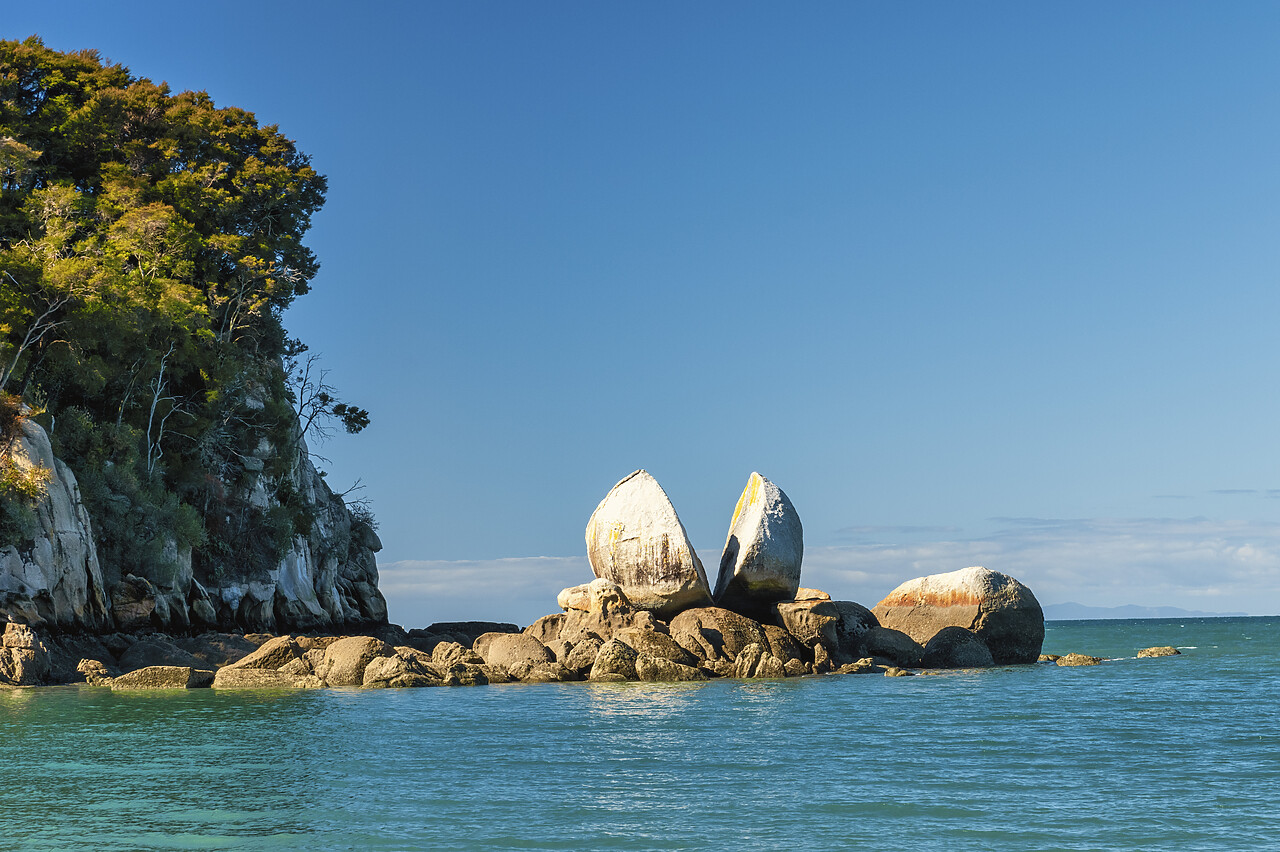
(20, 485)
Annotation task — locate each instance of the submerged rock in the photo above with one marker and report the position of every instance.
(760, 564)
(635, 539)
(250, 678)
(1078, 660)
(996, 607)
(164, 677)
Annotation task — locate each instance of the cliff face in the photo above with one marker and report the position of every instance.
(55, 578)
(327, 579)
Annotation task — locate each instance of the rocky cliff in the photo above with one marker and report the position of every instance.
(327, 578)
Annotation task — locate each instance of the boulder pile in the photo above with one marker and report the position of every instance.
(649, 615)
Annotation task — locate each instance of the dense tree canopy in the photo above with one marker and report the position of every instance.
(149, 243)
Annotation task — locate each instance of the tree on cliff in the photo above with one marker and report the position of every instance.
(149, 244)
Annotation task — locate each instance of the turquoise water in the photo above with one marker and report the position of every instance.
(1152, 754)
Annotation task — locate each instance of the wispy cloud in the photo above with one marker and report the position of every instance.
(1193, 563)
(883, 531)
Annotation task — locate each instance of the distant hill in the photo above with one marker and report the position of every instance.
(1075, 611)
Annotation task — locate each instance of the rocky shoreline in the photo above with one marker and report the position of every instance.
(650, 615)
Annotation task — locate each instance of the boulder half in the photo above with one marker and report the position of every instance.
(635, 539)
(762, 553)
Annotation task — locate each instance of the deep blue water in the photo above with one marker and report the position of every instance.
(1152, 754)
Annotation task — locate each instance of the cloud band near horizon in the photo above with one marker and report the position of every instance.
(1193, 563)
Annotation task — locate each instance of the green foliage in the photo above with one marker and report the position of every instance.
(149, 243)
(139, 522)
(21, 484)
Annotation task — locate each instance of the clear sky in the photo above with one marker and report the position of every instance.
(974, 283)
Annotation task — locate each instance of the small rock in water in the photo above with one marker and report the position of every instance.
(1049, 658)
(1160, 651)
(1078, 660)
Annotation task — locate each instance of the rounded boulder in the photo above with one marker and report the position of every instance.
(997, 608)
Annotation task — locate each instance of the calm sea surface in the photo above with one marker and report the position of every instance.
(1153, 754)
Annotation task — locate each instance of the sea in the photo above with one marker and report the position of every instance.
(1174, 753)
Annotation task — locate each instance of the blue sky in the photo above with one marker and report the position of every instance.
(974, 283)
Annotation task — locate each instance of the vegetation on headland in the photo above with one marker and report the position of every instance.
(150, 242)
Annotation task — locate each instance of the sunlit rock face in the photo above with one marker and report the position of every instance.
(762, 554)
(635, 539)
(998, 609)
(54, 579)
(327, 580)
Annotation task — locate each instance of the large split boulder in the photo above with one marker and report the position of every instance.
(635, 539)
(760, 564)
(1002, 612)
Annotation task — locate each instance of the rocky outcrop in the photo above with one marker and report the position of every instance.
(24, 659)
(327, 579)
(635, 539)
(606, 611)
(1159, 651)
(1002, 612)
(760, 564)
(247, 678)
(713, 634)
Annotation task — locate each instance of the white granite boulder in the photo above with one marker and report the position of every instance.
(999, 610)
(635, 539)
(762, 553)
